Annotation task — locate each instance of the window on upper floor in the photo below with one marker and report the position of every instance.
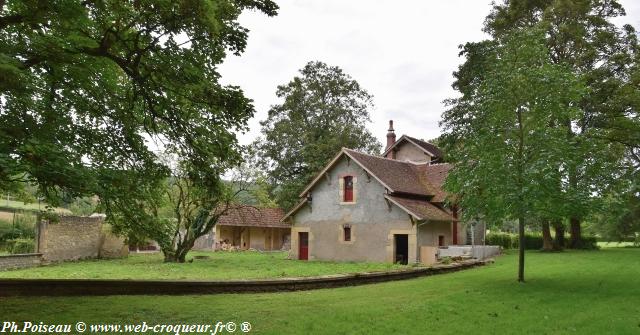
(348, 189)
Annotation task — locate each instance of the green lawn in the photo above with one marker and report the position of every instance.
(32, 206)
(588, 292)
(220, 265)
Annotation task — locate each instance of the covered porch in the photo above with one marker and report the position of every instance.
(242, 237)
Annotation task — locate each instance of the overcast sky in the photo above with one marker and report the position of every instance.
(402, 52)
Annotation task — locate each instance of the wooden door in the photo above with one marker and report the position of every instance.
(303, 246)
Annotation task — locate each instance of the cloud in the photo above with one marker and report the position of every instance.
(402, 52)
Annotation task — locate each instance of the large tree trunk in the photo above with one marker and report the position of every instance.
(559, 242)
(521, 249)
(179, 253)
(547, 242)
(576, 235)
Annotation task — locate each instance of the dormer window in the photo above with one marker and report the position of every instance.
(348, 189)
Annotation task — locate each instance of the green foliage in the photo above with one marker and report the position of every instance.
(533, 241)
(505, 240)
(323, 111)
(581, 36)
(85, 84)
(620, 219)
(21, 246)
(508, 165)
(173, 211)
(82, 206)
(21, 227)
(446, 260)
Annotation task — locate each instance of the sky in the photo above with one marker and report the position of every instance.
(401, 52)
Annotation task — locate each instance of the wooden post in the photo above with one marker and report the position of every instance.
(271, 248)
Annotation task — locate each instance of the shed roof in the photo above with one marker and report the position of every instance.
(253, 217)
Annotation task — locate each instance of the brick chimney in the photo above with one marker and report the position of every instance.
(391, 140)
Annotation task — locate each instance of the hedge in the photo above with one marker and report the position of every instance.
(533, 241)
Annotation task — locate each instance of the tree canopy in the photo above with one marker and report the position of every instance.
(322, 111)
(85, 86)
(580, 36)
(515, 141)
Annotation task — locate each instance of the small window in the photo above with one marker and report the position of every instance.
(348, 189)
(441, 240)
(347, 233)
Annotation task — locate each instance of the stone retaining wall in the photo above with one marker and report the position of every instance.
(9, 262)
(75, 287)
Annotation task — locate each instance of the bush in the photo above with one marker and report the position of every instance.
(532, 241)
(21, 246)
(505, 240)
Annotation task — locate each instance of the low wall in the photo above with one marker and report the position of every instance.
(19, 261)
(71, 287)
(477, 251)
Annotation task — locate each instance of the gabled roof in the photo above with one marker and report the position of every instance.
(413, 187)
(427, 147)
(253, 217)
(397, 176)
(420, 209)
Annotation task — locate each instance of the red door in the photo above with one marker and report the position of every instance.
(303, 246)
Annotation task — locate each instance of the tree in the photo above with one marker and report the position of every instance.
(323, 110)
(510, 155)
(581, 36)
(85, 85)
(174, 211)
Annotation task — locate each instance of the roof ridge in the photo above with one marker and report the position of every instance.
(418, 139)
(382, 157)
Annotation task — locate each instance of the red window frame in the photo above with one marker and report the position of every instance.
(348, 189)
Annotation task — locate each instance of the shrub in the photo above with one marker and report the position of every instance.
(505, 240)
(21, 246)
(532, 241)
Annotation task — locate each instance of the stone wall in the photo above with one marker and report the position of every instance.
(8, 262)
(112, 246)
(77, 237)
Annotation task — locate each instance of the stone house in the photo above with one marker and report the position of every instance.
(248, 227)
(389, 208)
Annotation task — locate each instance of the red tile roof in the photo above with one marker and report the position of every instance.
(436, 174)
(407, 177)
(253, 217)
(421, 209)
(399, 176)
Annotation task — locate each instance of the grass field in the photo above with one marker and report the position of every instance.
(32, 206)
(587, 292)
(220, 265)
